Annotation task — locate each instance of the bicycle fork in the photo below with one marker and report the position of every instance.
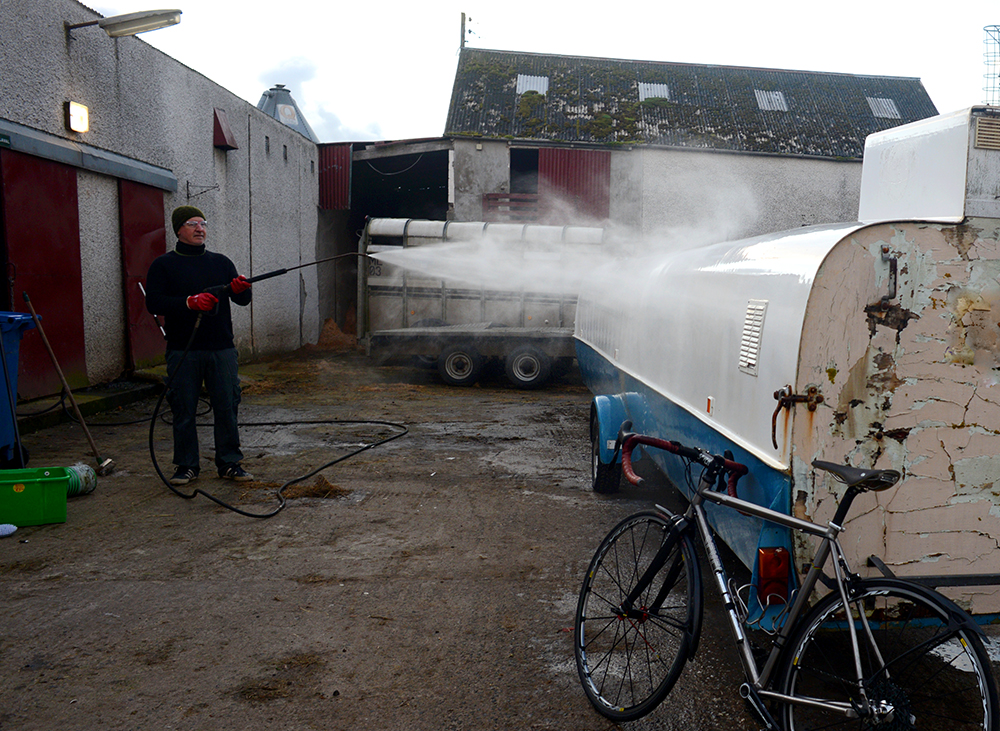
(672, 540)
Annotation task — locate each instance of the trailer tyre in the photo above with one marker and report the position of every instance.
(460, 365)
(528, 367)
(427, 361)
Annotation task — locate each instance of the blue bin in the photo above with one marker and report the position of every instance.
(12, 327)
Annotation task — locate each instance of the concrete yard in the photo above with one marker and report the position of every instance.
(428, 583)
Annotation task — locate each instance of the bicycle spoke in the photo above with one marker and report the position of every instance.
(897, 657)
(921, 670)
(629, 656)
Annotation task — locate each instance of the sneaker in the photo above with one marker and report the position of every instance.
(235, 472)
(183, 476)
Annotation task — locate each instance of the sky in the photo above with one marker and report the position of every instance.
(384, 70)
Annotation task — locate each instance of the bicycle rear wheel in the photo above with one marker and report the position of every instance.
(923, 663)
(628, 660)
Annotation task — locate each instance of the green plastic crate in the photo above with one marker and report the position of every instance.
(33, 497)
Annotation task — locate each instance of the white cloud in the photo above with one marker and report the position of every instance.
(387, 68)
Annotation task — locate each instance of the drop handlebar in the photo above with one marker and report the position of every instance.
(712, 462)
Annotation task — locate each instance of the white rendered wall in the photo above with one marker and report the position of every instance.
(146, 106)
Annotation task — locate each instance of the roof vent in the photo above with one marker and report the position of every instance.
(988, 133)
(771, 101)
(753, 329)
(883, 108)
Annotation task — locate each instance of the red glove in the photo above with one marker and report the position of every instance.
(240, 284)
(203, 302)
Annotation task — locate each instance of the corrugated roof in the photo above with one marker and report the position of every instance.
(597, 100)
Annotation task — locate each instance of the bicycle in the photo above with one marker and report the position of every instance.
(873, 653)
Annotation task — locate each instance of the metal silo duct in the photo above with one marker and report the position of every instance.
(278, 103)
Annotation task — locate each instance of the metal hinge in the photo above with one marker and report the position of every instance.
(785, 397)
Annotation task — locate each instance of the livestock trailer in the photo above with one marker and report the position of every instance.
(456, 294)
(875, 343)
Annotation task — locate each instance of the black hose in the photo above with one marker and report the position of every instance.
(403, 430)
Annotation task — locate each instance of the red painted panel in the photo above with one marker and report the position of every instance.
(574, 186)
(335, 177)
(143, 239)
(42, 236)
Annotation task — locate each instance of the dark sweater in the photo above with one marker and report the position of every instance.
(177, 275)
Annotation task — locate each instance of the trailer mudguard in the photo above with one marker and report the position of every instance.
(606, 416)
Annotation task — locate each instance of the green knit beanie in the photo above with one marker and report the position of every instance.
(182, 214)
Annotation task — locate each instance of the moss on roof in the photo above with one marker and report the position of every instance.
(597, 100)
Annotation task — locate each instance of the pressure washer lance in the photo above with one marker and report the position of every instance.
(226, 289)
(278, 272)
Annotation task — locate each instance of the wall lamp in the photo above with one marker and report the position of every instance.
(130, 23)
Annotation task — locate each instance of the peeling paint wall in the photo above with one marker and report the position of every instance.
(911, 385)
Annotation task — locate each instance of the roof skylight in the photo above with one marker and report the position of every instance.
(653, 91)
(771, 101)
(539, 84)
(884, 108)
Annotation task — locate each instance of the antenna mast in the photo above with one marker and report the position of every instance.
(992, 57)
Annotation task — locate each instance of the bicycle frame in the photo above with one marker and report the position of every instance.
(761, 678)
(873, 652)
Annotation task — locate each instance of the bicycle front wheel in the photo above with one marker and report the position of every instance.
(629, 656)
(922, 663)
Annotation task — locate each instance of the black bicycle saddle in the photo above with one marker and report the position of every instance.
(868, 479)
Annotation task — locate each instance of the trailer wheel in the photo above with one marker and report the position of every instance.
(460, 365)
(528, 367)
(561, 367)
(427, 361)
(604, 478)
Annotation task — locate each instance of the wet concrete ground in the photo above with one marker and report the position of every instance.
(428, 583)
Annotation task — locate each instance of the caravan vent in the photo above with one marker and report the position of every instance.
(753, 328)
(988, 133)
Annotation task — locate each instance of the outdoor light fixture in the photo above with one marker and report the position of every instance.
(77, 117)
(131, 23)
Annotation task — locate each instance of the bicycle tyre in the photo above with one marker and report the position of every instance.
(628, 663)
(935, 674)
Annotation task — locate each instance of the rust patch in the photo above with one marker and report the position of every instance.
(899, 435)
(884, 378)
(963, 237)
(894, 317)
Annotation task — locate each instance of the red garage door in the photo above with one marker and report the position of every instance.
(574, 186)
(143, 239)
(41, 244)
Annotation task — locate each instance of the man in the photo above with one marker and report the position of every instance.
(200, 348)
